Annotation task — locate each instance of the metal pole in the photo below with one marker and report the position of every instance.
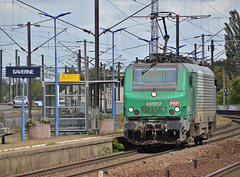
(42, 67)
(104, 90)
(113, 89)
(29, 64)
(100, 97)
(202, 49)
(195, 51)
(223, 87)
(56, 80)
(96, 90)
(227, 91)
(154, 27)
(23, 114)
(79, 72)
(87, 104)
(56, 76)
(10, 88)
(16, 64)
(149, 47)
(212, 49)
(43, 91)
(177, 34)
(79, 62)
(19, 84)
(85, 58)
(119, 81)
(1, 52)
(43, 100)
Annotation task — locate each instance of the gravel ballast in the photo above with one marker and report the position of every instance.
(195, 161)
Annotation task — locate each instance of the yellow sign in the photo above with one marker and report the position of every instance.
(69, 77)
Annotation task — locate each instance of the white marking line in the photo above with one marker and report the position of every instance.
(42, 145)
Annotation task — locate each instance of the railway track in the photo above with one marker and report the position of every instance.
(232, 170)
(107, 162)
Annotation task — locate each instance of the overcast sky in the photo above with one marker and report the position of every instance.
(128, 47)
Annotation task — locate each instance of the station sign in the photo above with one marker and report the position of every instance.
(69, 77)
(22, 72)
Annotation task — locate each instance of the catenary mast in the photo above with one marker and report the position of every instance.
(154, 26)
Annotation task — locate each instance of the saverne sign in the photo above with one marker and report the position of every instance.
(24, 72)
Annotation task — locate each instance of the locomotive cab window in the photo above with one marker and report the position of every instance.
(156, 77)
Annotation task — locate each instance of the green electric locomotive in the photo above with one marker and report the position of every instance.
(168, 99)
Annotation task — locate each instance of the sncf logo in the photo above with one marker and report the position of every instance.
(173, 103)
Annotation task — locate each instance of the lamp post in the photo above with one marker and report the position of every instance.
(227, 90)
(177, 49)
(113, 90)
(149, 42)
(56, 79)
(201, 59)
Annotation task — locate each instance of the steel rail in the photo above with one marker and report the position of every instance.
(119, 164)
(141, 158)
(77, 164)
(100, 160)
(103, 159)
(231, 170)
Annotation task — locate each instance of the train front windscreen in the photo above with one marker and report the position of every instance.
(155, 77)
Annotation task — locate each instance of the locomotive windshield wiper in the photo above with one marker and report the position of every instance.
(147, 68)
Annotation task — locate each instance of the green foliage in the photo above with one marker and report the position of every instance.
(220, 97)
(232, 44)
(30, 122)
(234, 91)
(51, 143)
(218, 71)
(90, 131)
(18, 170)
(119, 117)
(105, 116)
(117, 146)
(107, 150)
(46, 120)
(5, 90)
(36, 89)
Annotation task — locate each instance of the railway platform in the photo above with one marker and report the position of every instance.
(32, 156)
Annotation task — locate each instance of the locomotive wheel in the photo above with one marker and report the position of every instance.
(181, 145)
(198, 141)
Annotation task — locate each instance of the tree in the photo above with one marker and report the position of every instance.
(232, 43)
(37, 90)
(234, 92)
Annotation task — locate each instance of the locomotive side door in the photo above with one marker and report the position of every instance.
(193, 88)
(194, 94)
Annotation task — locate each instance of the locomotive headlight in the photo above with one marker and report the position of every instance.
(130, 109)
(177, 109)
(154, 94)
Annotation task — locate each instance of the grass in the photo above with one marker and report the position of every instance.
(222, 120)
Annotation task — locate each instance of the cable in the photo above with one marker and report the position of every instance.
(85, 30)
(127, 17)
(124, 13)
(213, 8)
(13, 40)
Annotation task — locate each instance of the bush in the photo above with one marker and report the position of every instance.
(105, 116)
(30, 122)
(46, 120)
(90, 131)
(107, 150)
(117, 146)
